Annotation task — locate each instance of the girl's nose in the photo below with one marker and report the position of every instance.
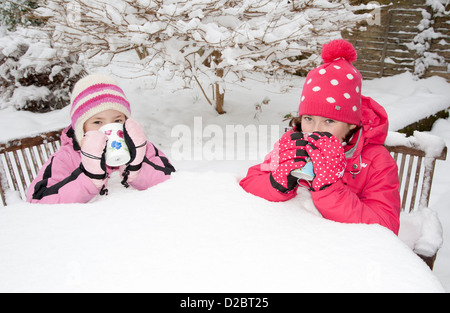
(318, 127)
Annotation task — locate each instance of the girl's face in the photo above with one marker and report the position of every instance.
(103, 118)
(312, 123)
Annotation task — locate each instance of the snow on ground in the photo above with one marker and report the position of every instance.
(200, 231)
(407, 100)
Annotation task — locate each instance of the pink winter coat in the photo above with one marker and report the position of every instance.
(62, 181)
(369, 191)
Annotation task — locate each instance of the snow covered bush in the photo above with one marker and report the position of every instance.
(34, 76)
(17, 12)
(422, 42)
(217, 40)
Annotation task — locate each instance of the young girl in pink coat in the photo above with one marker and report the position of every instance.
(342, 133)
(77, 172)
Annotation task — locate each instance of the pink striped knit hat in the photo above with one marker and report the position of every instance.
(94, 94)
(333, 90)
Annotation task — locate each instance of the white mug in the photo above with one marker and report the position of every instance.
(306, 172)
(117, 152)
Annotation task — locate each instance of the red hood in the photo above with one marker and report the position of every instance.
(375, 121)
(375, 126)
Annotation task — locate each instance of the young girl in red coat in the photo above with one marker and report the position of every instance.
(342, 133)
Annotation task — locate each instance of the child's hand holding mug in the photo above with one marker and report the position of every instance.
(137, 143)
(93, 157)
(291, 155)
(136, 140)
(328, 158)
(117, 151)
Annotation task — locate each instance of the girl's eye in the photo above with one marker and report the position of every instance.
(307, 119)
(97, 122)
(118, 121)
(329, 121)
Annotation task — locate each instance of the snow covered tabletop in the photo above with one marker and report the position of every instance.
(198, 232)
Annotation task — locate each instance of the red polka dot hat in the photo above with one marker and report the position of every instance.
(333, 90)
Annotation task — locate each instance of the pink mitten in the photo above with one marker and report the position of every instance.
(289, 155)
(92, 156)
(328, 158)
(136, 141)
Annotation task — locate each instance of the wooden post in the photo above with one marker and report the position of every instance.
(220, 96)
(142, 52)
(386, 36)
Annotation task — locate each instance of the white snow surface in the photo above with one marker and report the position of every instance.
(199, 231)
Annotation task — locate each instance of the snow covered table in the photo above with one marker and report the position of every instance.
(198, 232)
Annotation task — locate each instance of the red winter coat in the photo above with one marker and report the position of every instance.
(369, 191)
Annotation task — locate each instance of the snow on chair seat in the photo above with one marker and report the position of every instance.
(21, 159)
(416, 158)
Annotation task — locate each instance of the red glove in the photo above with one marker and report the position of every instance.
(93, 163)
(291, 156)
(327, 154)
(136, 141)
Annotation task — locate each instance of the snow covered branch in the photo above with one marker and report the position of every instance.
(209, 38)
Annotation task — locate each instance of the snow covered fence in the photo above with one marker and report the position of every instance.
(406, 36)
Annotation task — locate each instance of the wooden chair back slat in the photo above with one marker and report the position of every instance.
(407, 181)
(426, 193)
(11, 171)
(34, 162)
(401, 169)
(20, 170)
(42, 158)
(395, 156)
(27, 164)
(416, 181)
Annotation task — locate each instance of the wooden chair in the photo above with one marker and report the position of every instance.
(21, 160)
(414, 166)
(416, 171)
